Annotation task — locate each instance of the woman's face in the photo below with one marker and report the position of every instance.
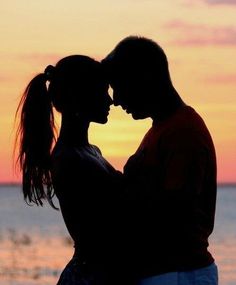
(98, 102)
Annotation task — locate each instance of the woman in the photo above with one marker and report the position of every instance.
(83, 181)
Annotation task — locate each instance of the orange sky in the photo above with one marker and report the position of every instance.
(199, 37)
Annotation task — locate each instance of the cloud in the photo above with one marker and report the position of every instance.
(49, 58)
(224, 2)
(221, 79)
(3, 78)
(187, 34)
(210, 2)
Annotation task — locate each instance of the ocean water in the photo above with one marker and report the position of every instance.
(35, 246)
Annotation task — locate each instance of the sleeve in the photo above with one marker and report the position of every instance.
(184, 163)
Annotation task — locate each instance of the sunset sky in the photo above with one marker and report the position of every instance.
(199, 37)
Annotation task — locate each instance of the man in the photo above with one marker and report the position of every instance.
(171, 178)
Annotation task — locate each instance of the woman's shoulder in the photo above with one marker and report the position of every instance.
(67, 168)
(67, 160)
(63, 154)
(96, 148)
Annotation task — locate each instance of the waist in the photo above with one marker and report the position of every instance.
(209, 273)
(154, 263)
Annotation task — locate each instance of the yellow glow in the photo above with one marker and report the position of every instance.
(199, 42)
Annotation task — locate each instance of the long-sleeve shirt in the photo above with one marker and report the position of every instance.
(171, 190)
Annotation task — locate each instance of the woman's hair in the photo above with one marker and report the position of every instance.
(35, 132)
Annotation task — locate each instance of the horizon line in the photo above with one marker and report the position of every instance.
(9, 184)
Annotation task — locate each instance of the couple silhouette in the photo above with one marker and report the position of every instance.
(150, 224)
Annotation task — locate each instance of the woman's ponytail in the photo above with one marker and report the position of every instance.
(35, 135)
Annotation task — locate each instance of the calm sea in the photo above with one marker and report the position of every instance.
(35, 246)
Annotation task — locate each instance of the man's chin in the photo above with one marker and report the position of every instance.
(137, 116)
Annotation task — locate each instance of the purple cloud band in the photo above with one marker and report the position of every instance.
(224, 2)
(187, 34)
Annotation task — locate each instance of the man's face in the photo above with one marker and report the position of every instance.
(130, 95)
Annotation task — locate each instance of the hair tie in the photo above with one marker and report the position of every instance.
(49, 72)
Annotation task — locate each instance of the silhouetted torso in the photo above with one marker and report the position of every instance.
(86, 184)
(171, 181)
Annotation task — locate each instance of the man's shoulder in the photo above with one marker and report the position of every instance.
(186, 127)
(186, 120)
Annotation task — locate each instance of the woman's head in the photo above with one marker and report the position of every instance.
(76, 85)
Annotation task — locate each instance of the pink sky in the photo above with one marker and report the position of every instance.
(199, 38)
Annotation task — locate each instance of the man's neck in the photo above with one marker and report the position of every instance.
(171, 103)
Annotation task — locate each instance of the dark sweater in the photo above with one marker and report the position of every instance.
(171, 196)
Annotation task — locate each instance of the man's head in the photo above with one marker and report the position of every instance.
(139, 75)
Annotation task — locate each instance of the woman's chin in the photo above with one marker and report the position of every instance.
(102, 120)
